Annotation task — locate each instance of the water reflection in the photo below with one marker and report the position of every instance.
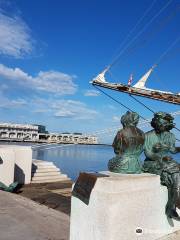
(75, 158)
(72, 159)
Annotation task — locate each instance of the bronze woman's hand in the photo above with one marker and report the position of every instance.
(158, 147)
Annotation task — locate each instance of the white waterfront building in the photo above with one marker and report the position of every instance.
(72, 138)
(38, 133)
(19, 131)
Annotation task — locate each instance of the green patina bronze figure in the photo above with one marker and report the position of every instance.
(11, 187)
(128, 146)
(159, 143)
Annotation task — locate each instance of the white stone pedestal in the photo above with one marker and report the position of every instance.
(7, 167)
(17, 164)
(119, 205)
(23, 164)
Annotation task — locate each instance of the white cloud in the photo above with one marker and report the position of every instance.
(40, 111)
(116, 119)
(73, 109)
(4, 87)
(91, 93)
(49, 81)
(15, 103)
(15, 37)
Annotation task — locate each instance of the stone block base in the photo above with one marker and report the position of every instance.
(122, 207)
(7, 166)
(17, 164)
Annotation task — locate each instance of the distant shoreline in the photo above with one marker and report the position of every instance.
(39, 142)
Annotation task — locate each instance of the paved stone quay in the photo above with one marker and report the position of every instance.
(55, 195)
(24, 219)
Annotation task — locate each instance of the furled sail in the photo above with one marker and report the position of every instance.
(101, 77)
(141, 83)
(138, 89)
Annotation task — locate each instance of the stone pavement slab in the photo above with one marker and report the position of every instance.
(23, 219)
(54, 195)
(172, 236)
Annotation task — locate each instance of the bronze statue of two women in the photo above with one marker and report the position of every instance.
(157, 145)
(128, 146)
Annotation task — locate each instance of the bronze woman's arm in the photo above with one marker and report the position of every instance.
(173, 148)
(117, 143)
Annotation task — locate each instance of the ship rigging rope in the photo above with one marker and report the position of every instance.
(141, 103)
(137, 99)
(139, 33)
(149, 109)
(117, 101)
(136, 25)
(150, 35)
(177, 129)
(167, 50)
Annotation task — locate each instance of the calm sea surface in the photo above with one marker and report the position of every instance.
(72, 159)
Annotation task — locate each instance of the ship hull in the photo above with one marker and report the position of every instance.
(153, 94)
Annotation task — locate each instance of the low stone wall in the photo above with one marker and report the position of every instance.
(7, 166)
(16, 164)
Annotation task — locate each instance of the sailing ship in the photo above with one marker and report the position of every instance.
(138, 89)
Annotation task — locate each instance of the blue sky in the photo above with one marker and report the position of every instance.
(50, 50)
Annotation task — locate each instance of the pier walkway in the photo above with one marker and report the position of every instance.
(22, 218)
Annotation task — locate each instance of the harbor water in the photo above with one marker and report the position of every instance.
(72, 159)
(75, 158)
